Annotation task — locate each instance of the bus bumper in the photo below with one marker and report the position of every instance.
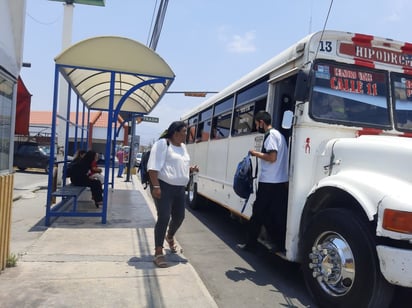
(396, 265)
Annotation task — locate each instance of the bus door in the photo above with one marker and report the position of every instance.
(283, 105)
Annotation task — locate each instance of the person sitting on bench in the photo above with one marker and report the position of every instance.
(79, 177)
(76, 158)
(96, 172)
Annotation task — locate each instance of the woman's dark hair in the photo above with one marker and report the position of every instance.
(89, 157)
(78, 155)
(174, 127)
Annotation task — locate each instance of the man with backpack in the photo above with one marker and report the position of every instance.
(269, 208)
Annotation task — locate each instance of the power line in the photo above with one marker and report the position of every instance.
(161, 13)
(151, 23)
(324, 26)
(43, 22)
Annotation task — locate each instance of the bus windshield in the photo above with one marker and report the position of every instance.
(402, 88)
(349, 95)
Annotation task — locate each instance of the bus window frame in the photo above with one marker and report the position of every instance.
(396, 117)
(230, 101)
(205, 119)
(215, 124)
(251, 89)
(254, 110)
(344, 122)
(191, 129)
(252, 100)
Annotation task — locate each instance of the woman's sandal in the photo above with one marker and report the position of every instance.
(160, 261)
(172, 244)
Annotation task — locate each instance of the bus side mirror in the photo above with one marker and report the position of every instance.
(302, 86)
(287, 119)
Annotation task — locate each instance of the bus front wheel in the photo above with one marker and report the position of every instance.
(340, 265)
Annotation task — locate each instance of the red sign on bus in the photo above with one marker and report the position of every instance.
(376, 54)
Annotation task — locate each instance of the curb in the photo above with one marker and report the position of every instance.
(26, 190)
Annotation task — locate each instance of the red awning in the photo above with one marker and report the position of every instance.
(22, 109)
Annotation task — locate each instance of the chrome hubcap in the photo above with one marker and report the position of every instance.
(332, 264)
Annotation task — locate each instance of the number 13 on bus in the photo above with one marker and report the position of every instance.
(343, 102)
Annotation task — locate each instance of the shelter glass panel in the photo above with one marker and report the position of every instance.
(7, 87)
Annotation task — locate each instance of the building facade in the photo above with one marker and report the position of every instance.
(12, 18)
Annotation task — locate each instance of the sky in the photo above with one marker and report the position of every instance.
(208, 44)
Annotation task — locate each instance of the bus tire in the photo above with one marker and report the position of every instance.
(340, 264)
(191, 195)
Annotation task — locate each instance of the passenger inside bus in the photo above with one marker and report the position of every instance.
(216, 133)
(202, 133)
(326, 106)
(192, 134)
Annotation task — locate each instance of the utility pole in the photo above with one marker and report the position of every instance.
(161, 13)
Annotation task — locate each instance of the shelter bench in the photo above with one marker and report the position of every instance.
(68, 193)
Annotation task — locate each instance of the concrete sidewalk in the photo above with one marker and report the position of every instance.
(79, 262)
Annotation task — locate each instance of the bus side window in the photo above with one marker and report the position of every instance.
(206, 130)
(243, 120)
(259, 105)
(191, 134)
(221, 125)
(191, 131)
(199, 132)
(214, 134)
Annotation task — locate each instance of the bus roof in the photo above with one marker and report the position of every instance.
(353, 48)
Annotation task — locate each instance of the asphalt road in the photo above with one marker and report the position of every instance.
(240, 279)
(233, 277)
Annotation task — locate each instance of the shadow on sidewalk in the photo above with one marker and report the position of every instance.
(125, 209)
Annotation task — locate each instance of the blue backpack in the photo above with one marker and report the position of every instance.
(243, 179)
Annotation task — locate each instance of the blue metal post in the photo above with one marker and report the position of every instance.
(52, 146)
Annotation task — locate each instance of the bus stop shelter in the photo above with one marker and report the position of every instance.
(110, 74)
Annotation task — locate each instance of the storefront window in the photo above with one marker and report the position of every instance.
(6, 103)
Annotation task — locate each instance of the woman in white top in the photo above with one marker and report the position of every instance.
(169, 170)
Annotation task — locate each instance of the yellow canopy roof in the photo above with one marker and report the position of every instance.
(88, 67)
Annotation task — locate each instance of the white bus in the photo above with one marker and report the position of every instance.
(344, 103)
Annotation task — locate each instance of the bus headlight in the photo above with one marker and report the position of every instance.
(397, 221)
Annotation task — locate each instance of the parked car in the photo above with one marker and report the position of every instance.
(31, 155)
(138, 159)
(101, 161)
